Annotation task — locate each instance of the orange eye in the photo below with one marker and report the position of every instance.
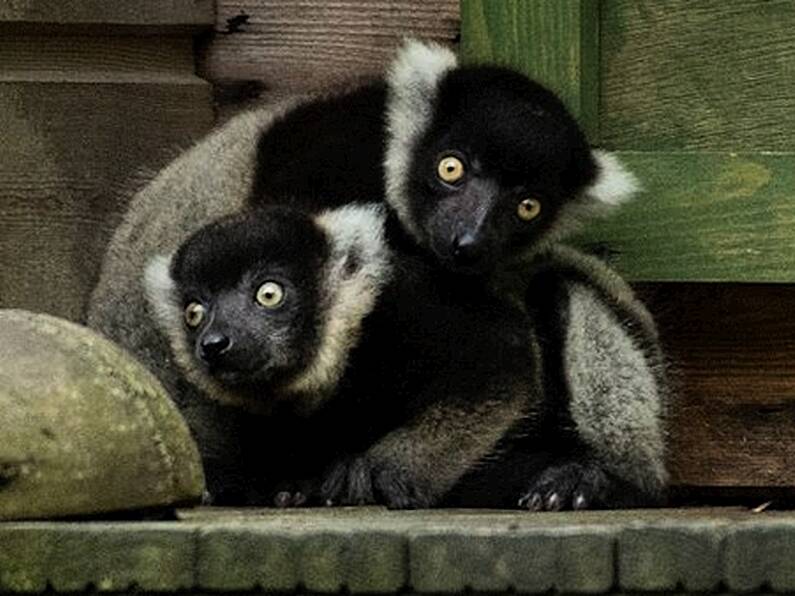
(528, 209)
(194, 314)
(450, 169)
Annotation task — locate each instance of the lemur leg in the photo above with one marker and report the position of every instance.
(414, 466)
(615, 406)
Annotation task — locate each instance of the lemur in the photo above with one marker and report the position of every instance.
(481, 169)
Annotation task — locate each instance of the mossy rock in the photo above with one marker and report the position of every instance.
(84, 428)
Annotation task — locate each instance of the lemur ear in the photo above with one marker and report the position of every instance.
(419, 65)
(614, 183)
(161, 292)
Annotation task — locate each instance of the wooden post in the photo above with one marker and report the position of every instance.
(554, 42)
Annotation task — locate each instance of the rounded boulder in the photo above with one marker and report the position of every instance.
(84, 428)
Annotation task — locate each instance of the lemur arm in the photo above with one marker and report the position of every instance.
(415, 465)
(612, 375)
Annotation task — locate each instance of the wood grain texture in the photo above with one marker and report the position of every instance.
(300, 45)
(705, 217)
(120, 12)
(71, 154)
(733, 346)
(698, 75)
(26, 56)
(556, 43)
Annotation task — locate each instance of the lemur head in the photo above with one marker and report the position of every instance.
(265, 305)
(483, 164)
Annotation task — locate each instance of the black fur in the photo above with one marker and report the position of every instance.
(221, 267)
(328, 151)
(516, 141)
(515, 137)
(420, 349)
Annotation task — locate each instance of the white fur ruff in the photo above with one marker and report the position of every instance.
(350, 295)
(161, 294)
(412, 81)
(614, 184)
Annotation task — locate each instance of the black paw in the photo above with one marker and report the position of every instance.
(572, 485)
(365, 481)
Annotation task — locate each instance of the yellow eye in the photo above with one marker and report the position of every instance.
(194, 314)
(528, 209)
(450, 169)
(270, 294)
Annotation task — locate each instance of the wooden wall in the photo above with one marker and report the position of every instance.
(97, 95)
(698, 99)
(93, 95)
(267, 48)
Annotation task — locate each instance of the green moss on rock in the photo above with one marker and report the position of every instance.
(84, 428)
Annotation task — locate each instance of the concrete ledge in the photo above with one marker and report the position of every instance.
(360, 550)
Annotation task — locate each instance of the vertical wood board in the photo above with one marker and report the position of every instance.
(556, 43)
(710, 75)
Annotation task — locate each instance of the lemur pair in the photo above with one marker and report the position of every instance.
(360, 298)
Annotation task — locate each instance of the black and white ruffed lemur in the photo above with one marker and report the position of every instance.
(359, 361)
(482, 171)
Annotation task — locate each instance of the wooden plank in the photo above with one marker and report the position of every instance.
(556, 43)
(71, 151)
(300, 45)
(26, 56)
(732, 347)
(115, 12)
(698, 75)
(705, 217)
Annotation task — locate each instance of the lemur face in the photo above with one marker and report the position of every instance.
(248, 289)
(266, 305)
(491, 174)
(483, 164)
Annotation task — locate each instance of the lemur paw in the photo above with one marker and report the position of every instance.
(285, 498)
(572, 485)
(364, 480)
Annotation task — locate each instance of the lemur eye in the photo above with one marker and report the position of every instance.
(194, 314)
(528, 209)
(450, 169)
(270, 294)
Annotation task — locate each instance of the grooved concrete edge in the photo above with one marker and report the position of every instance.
(377, 551)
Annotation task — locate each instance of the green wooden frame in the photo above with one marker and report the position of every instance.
(703, 215)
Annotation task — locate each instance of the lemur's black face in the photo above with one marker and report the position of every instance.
(501, 157)
(249, 287)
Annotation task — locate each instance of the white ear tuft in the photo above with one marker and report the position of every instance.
(420, 64)
(160, 291)
(614, 184)
(412, 82)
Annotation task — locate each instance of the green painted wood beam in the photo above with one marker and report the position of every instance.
(705, 216)
(554, 42)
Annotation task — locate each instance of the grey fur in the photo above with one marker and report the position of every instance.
(210, 180)
(616, 375)
(615, 397)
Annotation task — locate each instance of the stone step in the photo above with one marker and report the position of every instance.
(373, 550)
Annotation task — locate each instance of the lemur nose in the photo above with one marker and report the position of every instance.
(464, 247)
(213, 345)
